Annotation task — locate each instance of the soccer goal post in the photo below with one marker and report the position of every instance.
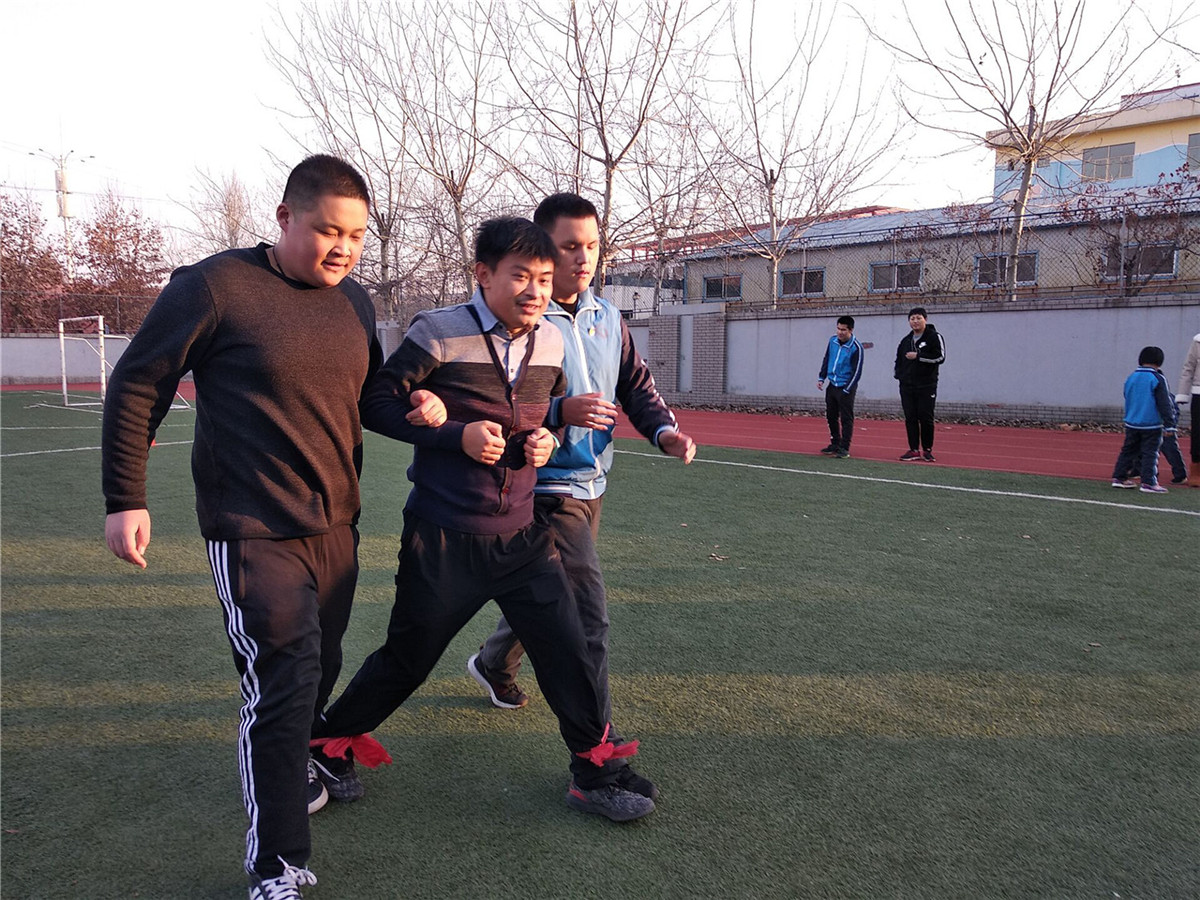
(89, 331)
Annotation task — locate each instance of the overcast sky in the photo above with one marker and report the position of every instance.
(141, 94)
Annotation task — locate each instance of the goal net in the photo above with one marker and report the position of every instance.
(83, 349)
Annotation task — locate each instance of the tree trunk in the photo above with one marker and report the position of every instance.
(1020, 204)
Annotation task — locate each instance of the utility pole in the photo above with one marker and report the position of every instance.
(63, 194)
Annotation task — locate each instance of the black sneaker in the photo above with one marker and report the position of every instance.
(339, 776)
(928, 456)
(638, 784)
(842, 453)
(504, 696)
(909, 456)
(317, 795)
(830, 450)
(282, 887)
(612, 801)
(1182, 479)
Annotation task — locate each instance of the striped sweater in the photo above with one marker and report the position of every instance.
(446, 351)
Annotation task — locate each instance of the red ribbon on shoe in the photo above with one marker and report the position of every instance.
(606, 750)
(367, 750)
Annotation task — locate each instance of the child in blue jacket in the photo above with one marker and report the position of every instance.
(1148, 409)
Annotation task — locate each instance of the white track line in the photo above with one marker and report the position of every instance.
(935, 487)
(81, 449)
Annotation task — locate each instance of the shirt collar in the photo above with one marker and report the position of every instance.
(488, 321)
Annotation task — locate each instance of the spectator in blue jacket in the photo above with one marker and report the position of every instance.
(1148, 409)
(842, 367)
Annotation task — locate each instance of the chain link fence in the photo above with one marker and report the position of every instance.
(961, 254)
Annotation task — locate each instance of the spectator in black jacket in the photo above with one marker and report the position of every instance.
(918, 357)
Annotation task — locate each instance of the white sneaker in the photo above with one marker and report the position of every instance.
(283, 887)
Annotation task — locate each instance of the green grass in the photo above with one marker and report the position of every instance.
(844, 687)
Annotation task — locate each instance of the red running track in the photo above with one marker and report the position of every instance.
(1033, 451)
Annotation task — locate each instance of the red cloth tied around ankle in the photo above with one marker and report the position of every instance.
(606, 750)
(367, 750)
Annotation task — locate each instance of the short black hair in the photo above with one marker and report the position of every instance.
(497, 238)
(563, 206)
(918, 311)
(848, 321)
(1151, 356)
(322, 174)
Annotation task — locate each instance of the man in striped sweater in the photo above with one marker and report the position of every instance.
(470, 534)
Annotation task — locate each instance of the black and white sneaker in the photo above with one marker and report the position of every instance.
(339, 776)
(317, 795)
(830, 450)
(283, 887)
(503, 695)
(612, 801)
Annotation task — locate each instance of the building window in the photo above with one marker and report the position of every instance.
(1193, 157)
(989, 270)
(900, 276)
(802, 283)
(723, 287)
(1108, 163)
(1139, 261)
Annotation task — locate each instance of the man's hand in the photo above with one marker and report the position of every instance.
(127, 534)
(589, 411)
(539, 447)
(820, 385)
(678, 444)
(428, 409)
(483, 441)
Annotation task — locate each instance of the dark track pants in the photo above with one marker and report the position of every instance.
(444, 578)
(1195, 439)
(286, 604)
(839, 413)
(575, 525)
(1143, 444)
(918, 402)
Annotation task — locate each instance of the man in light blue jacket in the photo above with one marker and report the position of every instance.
(602, 367)
(842, 367)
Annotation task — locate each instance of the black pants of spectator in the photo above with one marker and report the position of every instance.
(286, 604)
(1195, 441)
(1143, 444)
(918, 402)
(839, 413)
(444, 578)
(575, 525)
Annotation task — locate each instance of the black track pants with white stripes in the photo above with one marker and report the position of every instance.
(286, 605)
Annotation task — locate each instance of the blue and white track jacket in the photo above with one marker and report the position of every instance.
(842, 363)
(1148, 400)
(599, 357)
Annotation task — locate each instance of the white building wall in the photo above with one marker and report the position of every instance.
(1075, 358)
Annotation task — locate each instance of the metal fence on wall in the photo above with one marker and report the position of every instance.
(23, 312)
(962, 254)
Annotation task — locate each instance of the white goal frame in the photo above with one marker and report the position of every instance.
(95, 342)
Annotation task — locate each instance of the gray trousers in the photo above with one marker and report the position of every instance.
(575, 525)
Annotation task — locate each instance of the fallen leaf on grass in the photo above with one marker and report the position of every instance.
(716, 557)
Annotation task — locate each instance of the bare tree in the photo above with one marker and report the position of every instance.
(403, 90)
(797, 139)
(227, 214)
(593, 74)
(1034, 71)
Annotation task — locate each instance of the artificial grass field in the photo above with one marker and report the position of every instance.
(845, 687)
